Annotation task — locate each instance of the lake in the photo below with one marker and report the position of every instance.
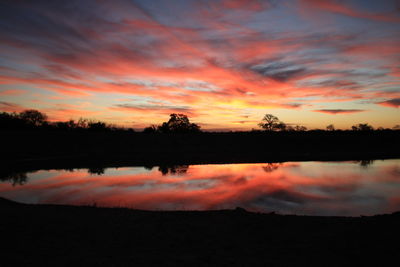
(350, 188)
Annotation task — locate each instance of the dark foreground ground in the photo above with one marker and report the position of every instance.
(49, 235)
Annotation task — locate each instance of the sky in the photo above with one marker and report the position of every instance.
(223, 63)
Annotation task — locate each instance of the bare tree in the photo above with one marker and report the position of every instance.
(269, 122)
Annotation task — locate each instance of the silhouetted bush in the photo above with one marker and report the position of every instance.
(150, 129)
(97, 126)
(362, 127)
(330, 127)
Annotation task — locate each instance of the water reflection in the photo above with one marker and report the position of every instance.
(96, 170)
(16, 178)
(313, 188)
(270, 167)
(174, 169)
(366, 163)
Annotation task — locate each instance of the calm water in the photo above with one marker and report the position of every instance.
(312, 188)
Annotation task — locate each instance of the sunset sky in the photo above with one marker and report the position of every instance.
(223, 63)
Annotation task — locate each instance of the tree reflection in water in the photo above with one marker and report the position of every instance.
(365, 163)
(16, 178)
(270, 167)
(173, 169)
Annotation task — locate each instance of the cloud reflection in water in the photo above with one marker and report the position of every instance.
(312, 188)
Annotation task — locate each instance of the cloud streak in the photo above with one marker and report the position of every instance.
(339, 111)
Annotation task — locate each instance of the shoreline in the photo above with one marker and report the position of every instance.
(73, 235)
(4, 202)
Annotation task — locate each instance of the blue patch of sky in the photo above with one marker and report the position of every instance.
(374, 6)
(168, 12)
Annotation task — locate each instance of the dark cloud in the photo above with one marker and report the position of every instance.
(339, 111)
(292, 105)
(394, 103)
(279, 71)
(243, 122)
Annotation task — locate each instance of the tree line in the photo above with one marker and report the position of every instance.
(177, 123)
(272, 123)
(33, 119)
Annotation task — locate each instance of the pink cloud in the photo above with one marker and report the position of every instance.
(12, 92)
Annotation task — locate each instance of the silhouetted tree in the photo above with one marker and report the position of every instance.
(396, 127)
(33, 117)
(178, 123)
(330, 127)
(269, 122)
